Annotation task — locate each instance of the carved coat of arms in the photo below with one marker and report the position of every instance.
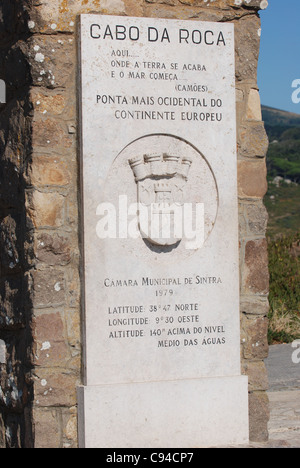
(161, 180)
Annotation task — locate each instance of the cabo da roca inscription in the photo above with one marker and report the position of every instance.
(121, 32)
(160, 235)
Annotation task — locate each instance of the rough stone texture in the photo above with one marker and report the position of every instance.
(253, 106)
(16, 389)
(247, 30)
(49, 171)
(256, 371)
(256, 276)
(254, 140)
(252, 181)
(254, 337)
(259, 413)
(40, 288)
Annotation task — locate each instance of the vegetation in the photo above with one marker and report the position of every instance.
(278, 121)
(284, 316)
(283, 130)
(283, 204)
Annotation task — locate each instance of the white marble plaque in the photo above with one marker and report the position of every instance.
(159, 189)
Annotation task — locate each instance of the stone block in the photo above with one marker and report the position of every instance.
(247, 40)
(46, 209)
(255, 275)
(43, 103)
(52, 249)
(253, 219)
(257, 375)
(185, 11)
(52, 60)
(255, 337)
(51, 348)
(257, 218)
(254, 106)
(49, 288)
(49, 327)
(134, 7)
(253, 140)
(49, 171)
(50, 134)
(252, 179)
(55, 388)
(70, 424)
(259, 415)
(47, 428)
(254, 305)
(60, 15)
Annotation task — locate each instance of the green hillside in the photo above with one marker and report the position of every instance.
(283, 204)
(277, 121)
(283, 129)
(283, 162)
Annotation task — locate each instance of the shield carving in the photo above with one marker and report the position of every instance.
(161, 181)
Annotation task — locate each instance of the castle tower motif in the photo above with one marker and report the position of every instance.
(160, 166)
(172, 164)
(185, 167)
(139, 168)
(163, 193)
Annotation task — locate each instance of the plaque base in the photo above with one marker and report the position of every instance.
(194, 413)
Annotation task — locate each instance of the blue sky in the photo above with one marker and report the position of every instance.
(279, 62)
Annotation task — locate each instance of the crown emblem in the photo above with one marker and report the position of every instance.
(160, 165)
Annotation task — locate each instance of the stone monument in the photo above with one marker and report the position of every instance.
(158, 171)
(160, 230)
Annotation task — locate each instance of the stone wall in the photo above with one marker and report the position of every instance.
(16, 234)
(40, 288)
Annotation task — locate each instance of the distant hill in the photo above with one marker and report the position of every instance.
(277, 121)
(283, 129)
(277, 116)
(283, 162)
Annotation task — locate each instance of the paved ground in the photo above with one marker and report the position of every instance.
(284, 426)
(284, 395)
